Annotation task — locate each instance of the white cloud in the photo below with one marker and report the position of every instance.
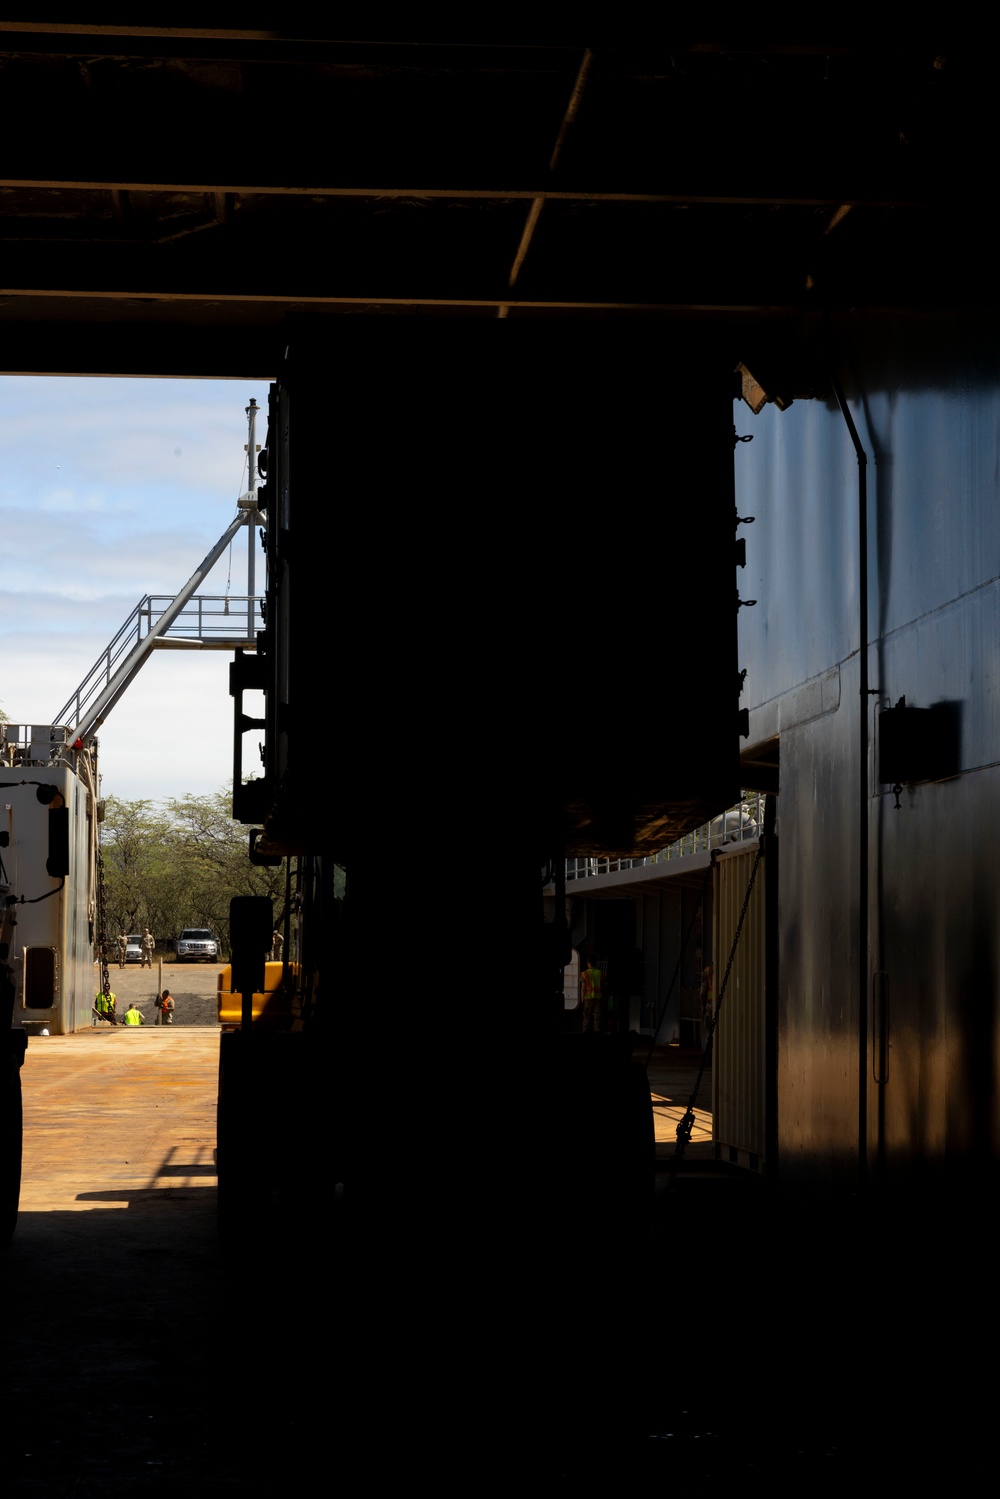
(112, 489)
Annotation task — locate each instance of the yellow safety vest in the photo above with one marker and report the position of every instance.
(132, 1017)
(105, 1003)
(592, 978)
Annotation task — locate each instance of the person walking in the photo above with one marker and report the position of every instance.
(148, 943)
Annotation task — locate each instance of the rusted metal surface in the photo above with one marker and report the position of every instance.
(115, 1342)
(127, 1364)
(118, 1118)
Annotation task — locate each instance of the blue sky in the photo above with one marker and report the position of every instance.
(111, 489)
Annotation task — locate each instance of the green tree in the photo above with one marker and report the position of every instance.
(212, 850)
(136, 868)
(178, 864)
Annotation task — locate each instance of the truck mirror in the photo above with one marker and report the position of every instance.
(251, 926)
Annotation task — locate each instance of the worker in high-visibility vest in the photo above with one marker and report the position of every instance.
(134, 1016)
(592, 994)
(105, 1007)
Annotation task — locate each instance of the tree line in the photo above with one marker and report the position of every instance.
(178, 863)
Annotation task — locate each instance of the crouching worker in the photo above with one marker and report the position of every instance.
(134, 1016)
(105, 1007)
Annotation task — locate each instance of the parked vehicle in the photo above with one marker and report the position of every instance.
(197, 943)
(133, 952)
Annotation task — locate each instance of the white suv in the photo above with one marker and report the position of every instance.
(196, 942)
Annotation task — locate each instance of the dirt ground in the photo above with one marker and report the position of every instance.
(192, 985)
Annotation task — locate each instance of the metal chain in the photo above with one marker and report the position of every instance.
(686, 1125)
(102, 935)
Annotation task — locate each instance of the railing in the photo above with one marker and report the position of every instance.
(15, 742)
(212, 620)
(207, 617)
(739, 824)
(43, 744)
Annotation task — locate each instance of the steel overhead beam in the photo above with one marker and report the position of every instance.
(277, 43)
(374, 299)
(538, 203)
(209, 187)
(282, 45)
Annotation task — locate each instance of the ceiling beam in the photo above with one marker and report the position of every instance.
(486, 194)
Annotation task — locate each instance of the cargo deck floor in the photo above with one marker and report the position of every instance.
(738, 1336)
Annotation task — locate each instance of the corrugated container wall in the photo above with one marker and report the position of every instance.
(740, 1052)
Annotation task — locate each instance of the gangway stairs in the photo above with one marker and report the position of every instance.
(187, 621)
(205, 623)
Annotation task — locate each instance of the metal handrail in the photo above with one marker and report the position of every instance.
(196, 621)
(741, 823)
